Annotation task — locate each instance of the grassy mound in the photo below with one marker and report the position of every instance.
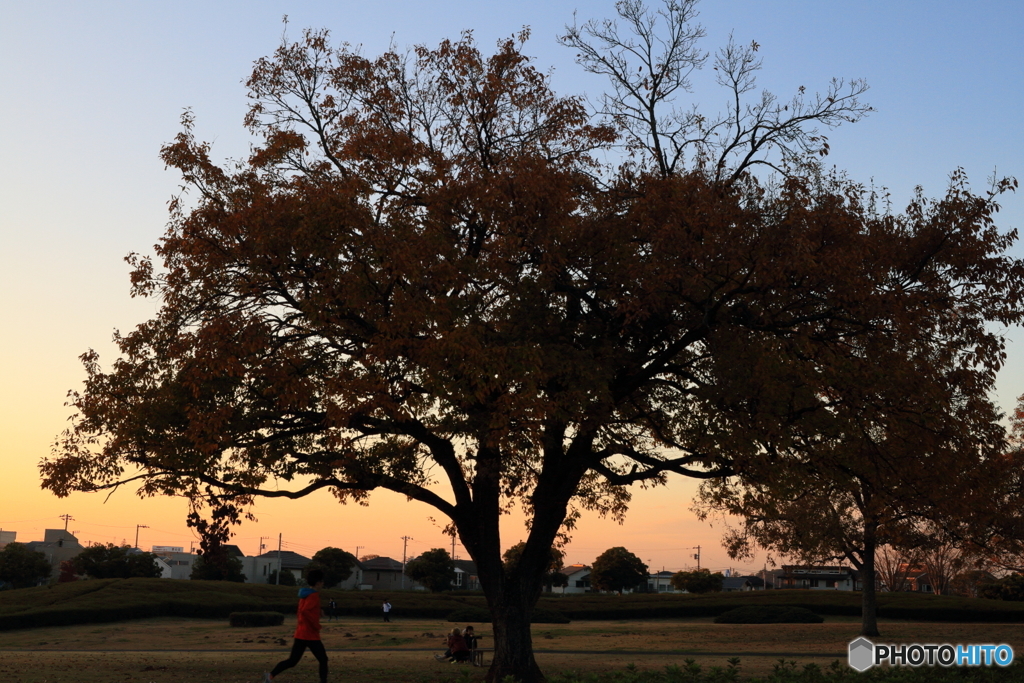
(769, 614)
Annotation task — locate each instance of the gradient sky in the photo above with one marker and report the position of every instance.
(90, 90)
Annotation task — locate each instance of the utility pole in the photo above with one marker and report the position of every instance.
(137, 527)
(358, 548)
(66, 518)
(279, 559)
(262, 545)
(453, 545)
(697, 557)
(405, 544)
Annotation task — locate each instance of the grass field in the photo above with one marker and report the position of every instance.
(126, 630)
(167, 649)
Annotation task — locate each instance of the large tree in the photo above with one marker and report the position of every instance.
(425, 279)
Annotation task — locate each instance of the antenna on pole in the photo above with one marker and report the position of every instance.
(137, 527)
(279, 564)
(405, 544)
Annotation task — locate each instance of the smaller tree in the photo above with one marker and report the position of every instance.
(1010, 588)
(700, 581)
(287, 578)
(67, 572)
(225, 568)
(553, 576)
(115, 562)
(617, 569)
(435, 569)
(335, 563)
(22, 567)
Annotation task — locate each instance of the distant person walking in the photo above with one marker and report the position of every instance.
(332, 610)
(387, 611)
(307, 632)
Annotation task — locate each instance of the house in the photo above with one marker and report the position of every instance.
(732, 584)
(466, 576)
(661, 582)
(816, 578)
(259, 568)
(386, 574)
(579, 579)
(57, 545)
(178, 563)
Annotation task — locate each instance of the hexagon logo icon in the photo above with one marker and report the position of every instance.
(862, 654)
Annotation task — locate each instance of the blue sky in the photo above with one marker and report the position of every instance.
(91, 90)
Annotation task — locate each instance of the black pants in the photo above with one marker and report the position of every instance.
(298, 649)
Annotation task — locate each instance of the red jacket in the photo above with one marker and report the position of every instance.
(308, 627)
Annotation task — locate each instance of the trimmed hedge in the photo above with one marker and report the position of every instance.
(769, 614)
(109, 600)
(254, 619)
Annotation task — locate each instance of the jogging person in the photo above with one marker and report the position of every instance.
(307, 632)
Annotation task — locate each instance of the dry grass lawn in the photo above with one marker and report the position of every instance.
(170, 650)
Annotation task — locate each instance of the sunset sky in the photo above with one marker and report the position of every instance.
(91, 90)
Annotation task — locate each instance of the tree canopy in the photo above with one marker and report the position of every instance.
(434, 275)
(698, 581)
(112, 561)
(617, 569)
(22, 567)
(336, 564)
(435, 569)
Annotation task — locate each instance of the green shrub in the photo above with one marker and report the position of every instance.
(769, 614)
(256, 618)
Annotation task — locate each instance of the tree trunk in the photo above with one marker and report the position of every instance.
(869, 596)
(513, 644)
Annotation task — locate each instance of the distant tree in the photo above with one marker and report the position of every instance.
(225, 568)
(616, 569)
(971, 583)
(699, 581)
(435, 569)
(287, 578)
(115, 562)
(336, 564)
(67, 572)
(894, 565)
(367, 558)
(943, 560)
(552, 577)
(1010, 588)
(21, 567)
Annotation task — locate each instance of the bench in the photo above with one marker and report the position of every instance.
(477, 655)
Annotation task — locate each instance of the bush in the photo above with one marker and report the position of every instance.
(769, 614)
(256, 618)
